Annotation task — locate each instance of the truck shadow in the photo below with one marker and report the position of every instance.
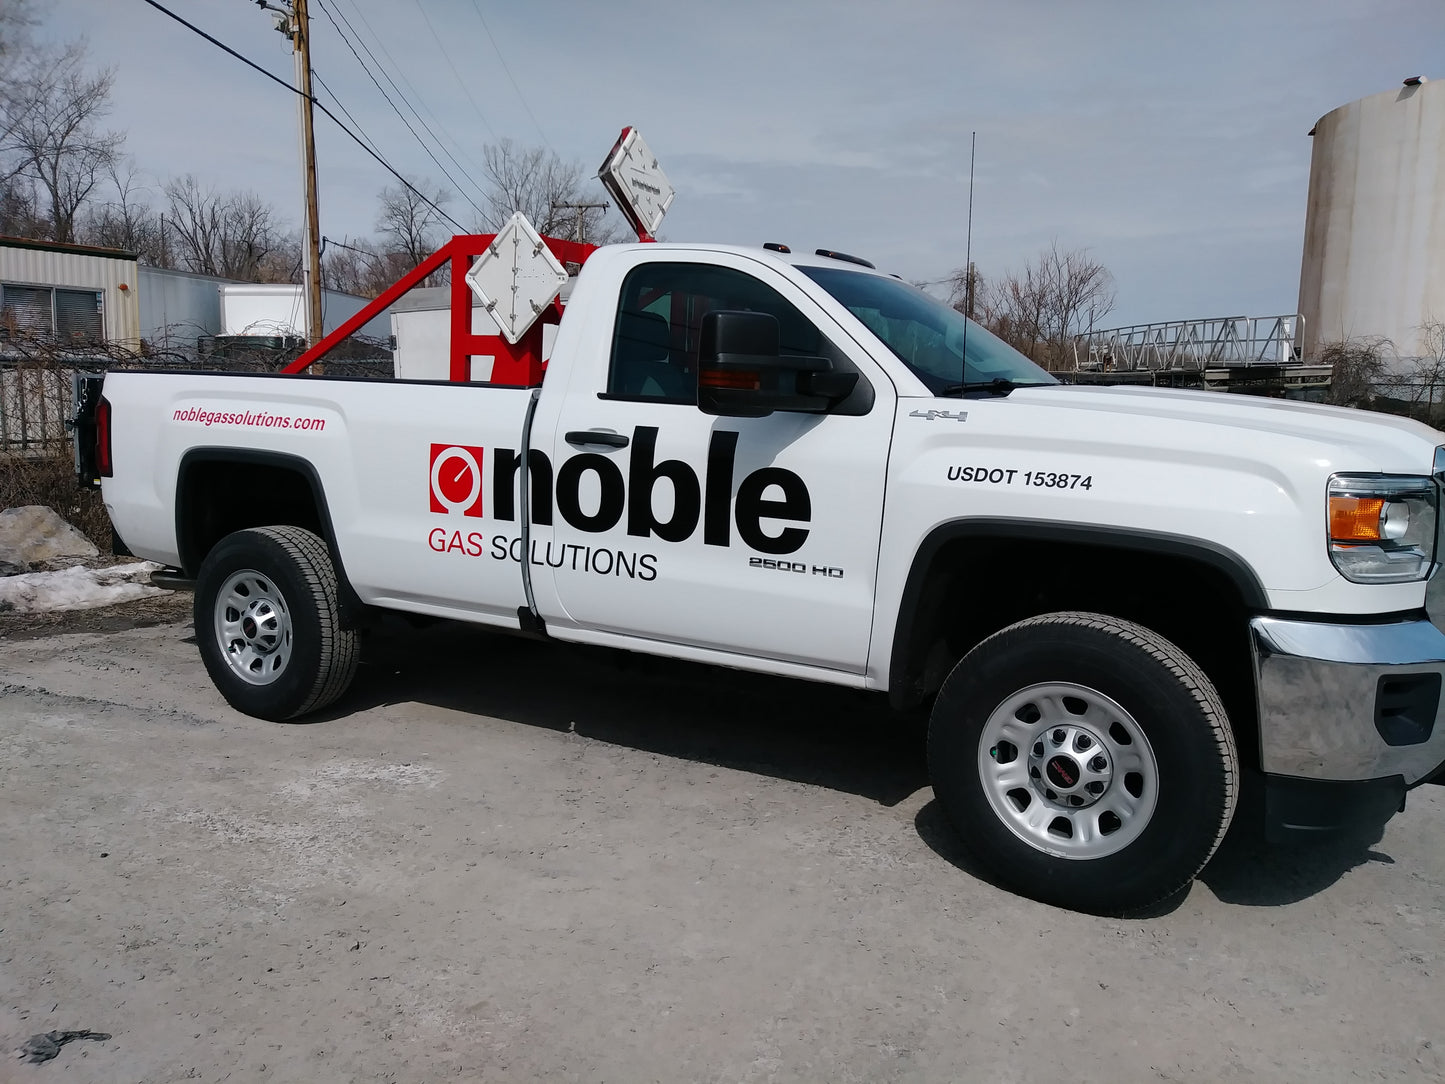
(1246, 871)
(842, 739)
(821, 735)
(1250, 872)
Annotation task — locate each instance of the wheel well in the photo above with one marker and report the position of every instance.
(216, 496)
(971, 587)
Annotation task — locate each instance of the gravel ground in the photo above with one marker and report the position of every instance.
(502, 860)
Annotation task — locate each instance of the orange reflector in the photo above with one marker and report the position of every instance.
(1355, 519)
(725, 378)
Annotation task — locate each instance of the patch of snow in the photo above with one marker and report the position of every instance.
(32, 533)
(77, 588)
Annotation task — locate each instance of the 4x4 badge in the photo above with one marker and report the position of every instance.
(929, 415)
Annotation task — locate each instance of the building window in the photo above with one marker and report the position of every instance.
(77, 316)
(72, 316)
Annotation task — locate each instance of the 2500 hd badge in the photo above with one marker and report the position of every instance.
(799, 567)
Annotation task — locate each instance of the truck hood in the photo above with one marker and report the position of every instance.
(1222, 422)
(1235, 474)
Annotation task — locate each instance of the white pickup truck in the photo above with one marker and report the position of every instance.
(1123, 606)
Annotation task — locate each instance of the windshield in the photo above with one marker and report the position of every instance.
(927, 335)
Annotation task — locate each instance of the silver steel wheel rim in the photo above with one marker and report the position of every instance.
(1068, 770)
(253, 627)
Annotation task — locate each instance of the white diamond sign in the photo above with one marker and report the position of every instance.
(633, 177)
(516, 278)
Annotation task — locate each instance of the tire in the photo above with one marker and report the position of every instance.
(268, 625)
(1086, 761)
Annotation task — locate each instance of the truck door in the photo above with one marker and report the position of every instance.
(754, 536)
(428, 514)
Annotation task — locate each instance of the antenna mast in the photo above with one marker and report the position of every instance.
(968, 260)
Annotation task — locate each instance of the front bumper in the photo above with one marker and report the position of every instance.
(1350, 702)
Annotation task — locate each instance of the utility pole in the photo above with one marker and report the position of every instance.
(293, 20)
(582, 209)
(311, 275)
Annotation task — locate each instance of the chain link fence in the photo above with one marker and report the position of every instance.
(37, 397)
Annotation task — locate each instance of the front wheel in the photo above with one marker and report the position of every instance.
(1085, 760)
(268, 623)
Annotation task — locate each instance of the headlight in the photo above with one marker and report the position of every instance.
(1382, 527)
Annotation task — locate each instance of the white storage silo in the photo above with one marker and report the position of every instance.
(1374, 251)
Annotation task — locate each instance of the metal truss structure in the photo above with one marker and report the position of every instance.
(1220, 342)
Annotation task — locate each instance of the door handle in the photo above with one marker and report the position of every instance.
(594, 436)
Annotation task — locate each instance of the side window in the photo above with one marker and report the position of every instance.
(659, 320)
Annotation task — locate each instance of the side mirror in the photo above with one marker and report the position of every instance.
(742, 375)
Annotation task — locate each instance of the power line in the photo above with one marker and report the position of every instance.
(451, 140)
(355, 123)
(402, 116)
(440, 143)
(520, 97)
(352, 248)
(335, 120)
(447, 57)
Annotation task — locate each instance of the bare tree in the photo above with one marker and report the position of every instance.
(535, 181)
(1420, 378)
(59, 141)
(16, 19)
(282, 260)
(18, 216)
(198, 223)
(1431, 362)
(249, 236)
(1041, 309)
(363, 267)
(965, 287)
(1358, 367)
(352, 266)
(52, 154)
(127, 220)
(532, 180)
(231, 234)
(18, 74)
(408, 223)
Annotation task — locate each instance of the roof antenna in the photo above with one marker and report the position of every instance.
(968, 260)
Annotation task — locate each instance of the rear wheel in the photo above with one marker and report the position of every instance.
(268, 623)
(1086, 760)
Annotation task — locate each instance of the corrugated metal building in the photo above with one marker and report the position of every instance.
(73, 292)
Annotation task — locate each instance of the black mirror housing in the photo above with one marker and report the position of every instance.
(741, 373)
(739, 333)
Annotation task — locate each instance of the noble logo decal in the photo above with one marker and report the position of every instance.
(456, 479)
(769, 508)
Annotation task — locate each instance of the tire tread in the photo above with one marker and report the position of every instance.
(340, 648)
(310, 563)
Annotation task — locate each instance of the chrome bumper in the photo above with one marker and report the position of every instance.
(1330, 696)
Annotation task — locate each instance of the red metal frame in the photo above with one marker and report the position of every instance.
(518, 365)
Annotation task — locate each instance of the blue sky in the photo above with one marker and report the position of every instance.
(1169, 139)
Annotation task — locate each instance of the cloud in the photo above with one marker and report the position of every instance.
(1167, 138)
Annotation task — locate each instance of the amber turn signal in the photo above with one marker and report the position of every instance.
(1355, 519)
(732, 379)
